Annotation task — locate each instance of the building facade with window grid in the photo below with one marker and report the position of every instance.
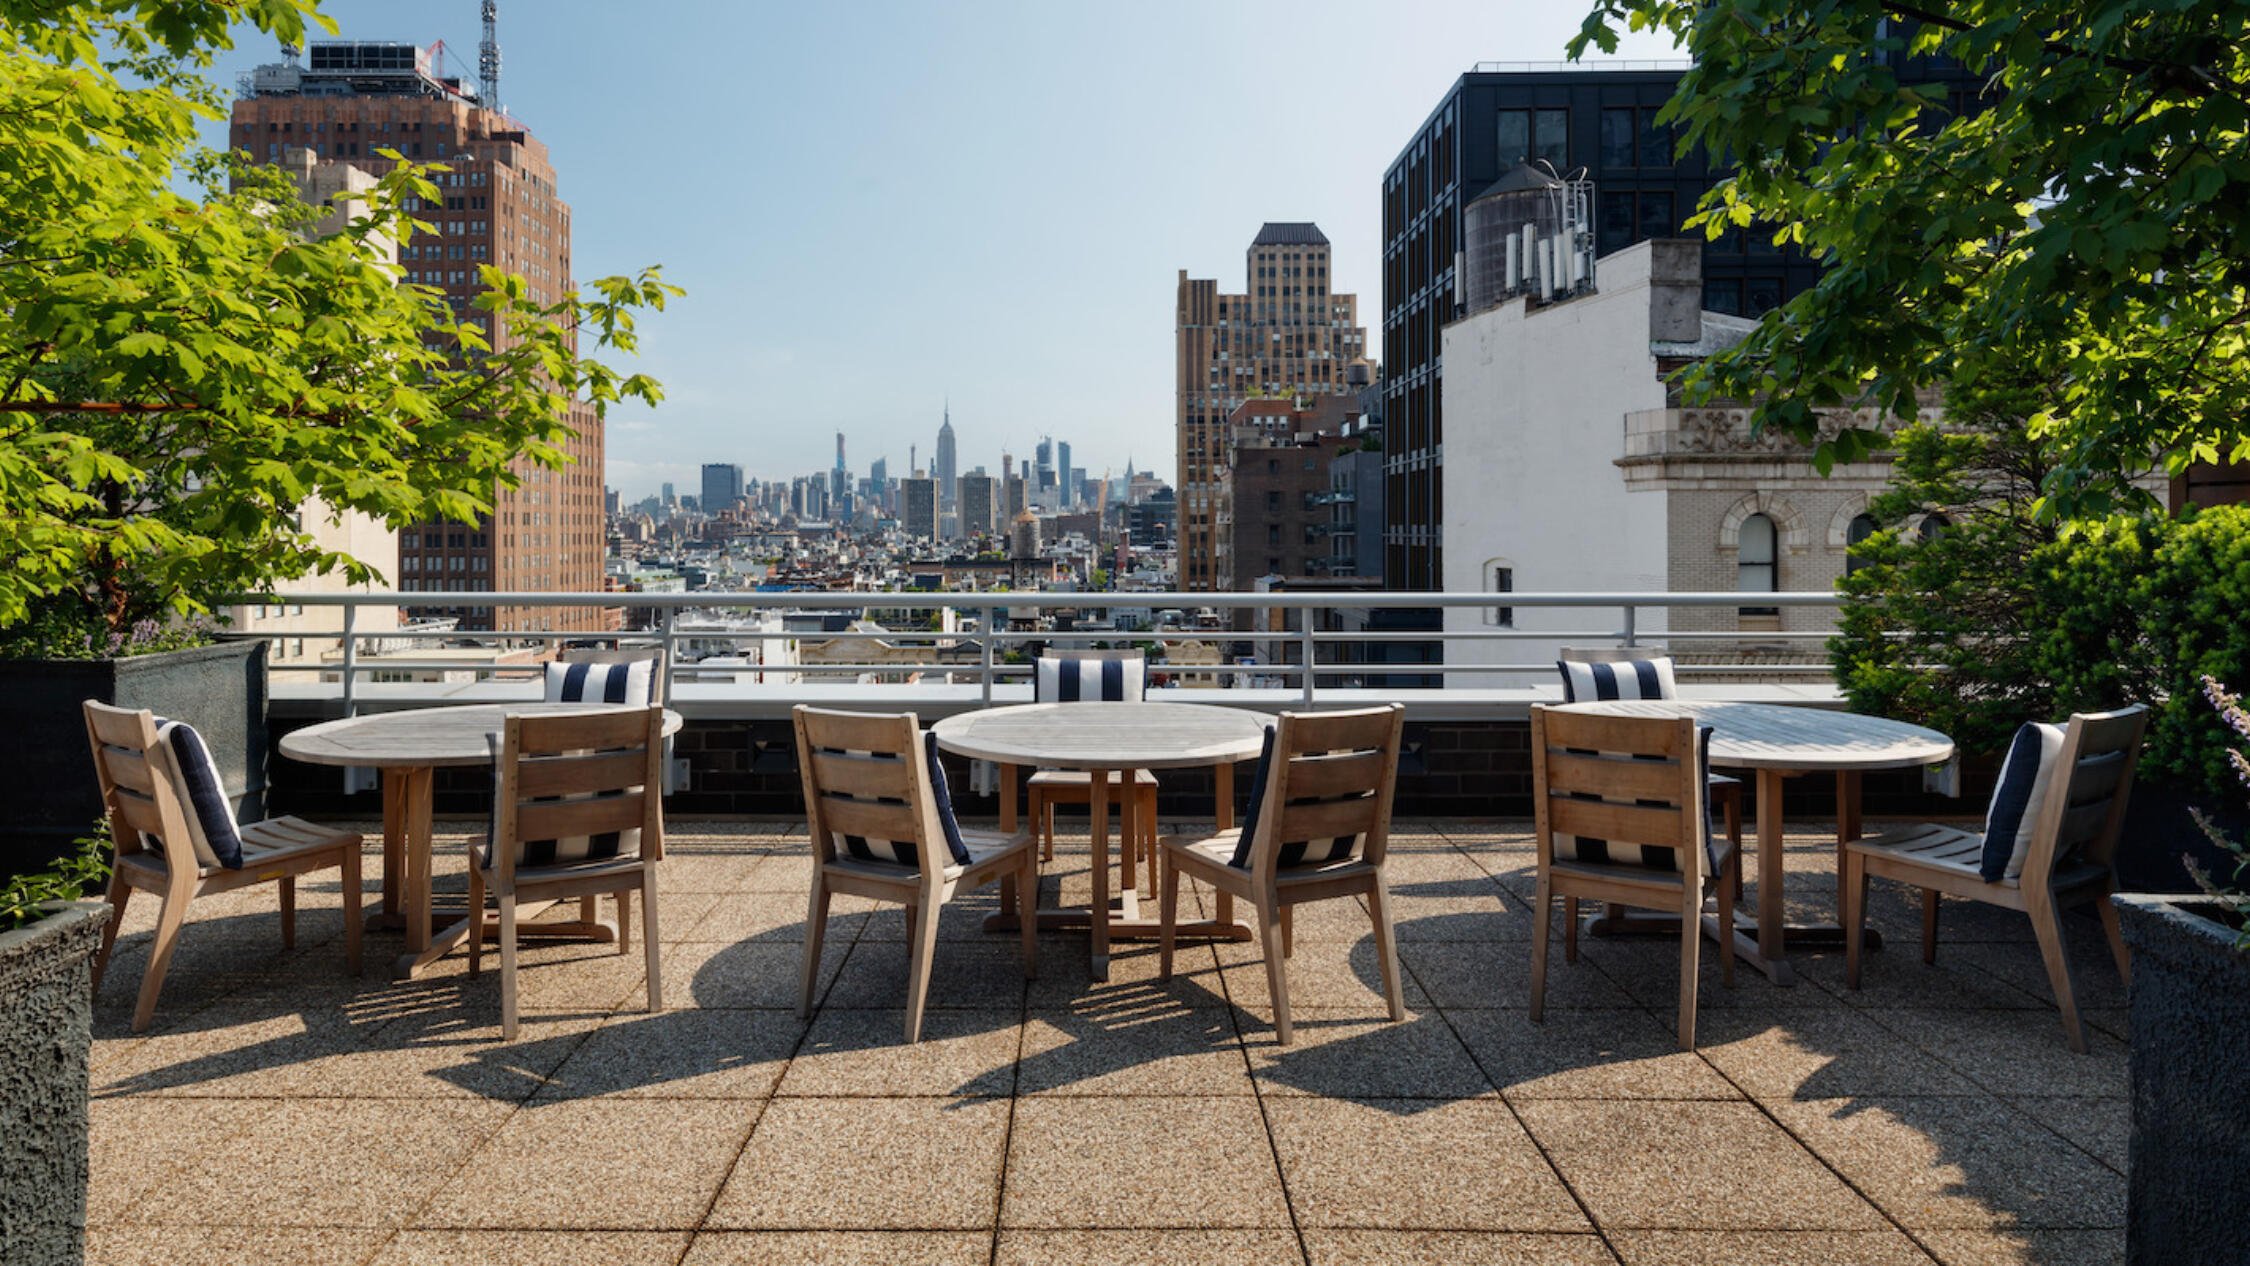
(498, 205)
(1288, 336)
(1571, 117)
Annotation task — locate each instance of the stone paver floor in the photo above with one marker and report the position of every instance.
(280, 1111)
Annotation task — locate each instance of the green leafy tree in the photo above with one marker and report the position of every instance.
(183, 375)
(2089, 216)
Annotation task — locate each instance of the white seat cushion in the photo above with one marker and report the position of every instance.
(1067, 779)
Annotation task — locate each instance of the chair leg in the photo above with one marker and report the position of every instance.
(1027, 913)
(476, 916)
(816, 928)
(1543, 930)
(1167, 919)
(120, 893)
(507, 967)
(1277, 969)
(2116, 934)
(1730, 804)
(1386, 945)
(1288, 932)
(1854, 915)
(288, 887)
(354, 899)
(1730, 885)
(624, 921)
(2046, 924)
(1691, 950)
(1929, 925)
(1128, 837)
(169, 920)
(1570, 930)
(1043, 818)
(918, 970)
(651, 946)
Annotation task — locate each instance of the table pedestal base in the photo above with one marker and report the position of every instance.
(450, 931)
(1647, 923)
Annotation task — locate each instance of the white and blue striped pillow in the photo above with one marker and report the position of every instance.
(629, 683)
(2014, 812)
(1070, 680)
(903, 852)
(1626, 679)
(1291, 852)
(1606, 853)
(212, 830)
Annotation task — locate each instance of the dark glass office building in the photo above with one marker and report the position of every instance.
(1492, 119)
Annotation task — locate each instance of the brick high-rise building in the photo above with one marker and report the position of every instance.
(918, 516)
(722, 486)
(346, 101)
(1287, 336)
(975, 499)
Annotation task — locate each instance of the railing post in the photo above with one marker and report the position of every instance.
(1305, 648)
(1629, 626)
(672, 658)
(351, 654)
(984, 642)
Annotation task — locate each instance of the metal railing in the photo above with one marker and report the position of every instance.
(980, 654)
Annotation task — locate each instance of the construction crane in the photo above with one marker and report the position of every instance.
(488, 57)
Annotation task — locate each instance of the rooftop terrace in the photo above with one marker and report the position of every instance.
(281, 1111)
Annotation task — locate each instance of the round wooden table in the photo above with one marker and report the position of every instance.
(1106, 740)
(1776, 741)
(409, 747)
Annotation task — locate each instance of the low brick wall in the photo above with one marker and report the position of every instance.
(1449, 769)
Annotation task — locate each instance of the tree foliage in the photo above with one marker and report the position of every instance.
(2087, 218)
(183, 375)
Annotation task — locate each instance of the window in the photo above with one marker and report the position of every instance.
(1934, 526)
(1763, 295)
(1656, 140)
(1616, 222)
(1754, 561)
(1617, 146)
(1273, 535)
(1501, 578)
(1514, 133)
(1723, 296)
(1273, 501)
(1861, 527)
(1657, 219)
(1550, 137)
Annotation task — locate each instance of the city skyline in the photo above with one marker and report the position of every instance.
(865, 235)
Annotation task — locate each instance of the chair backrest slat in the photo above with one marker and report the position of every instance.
(1636, 781)
(865, 780)
(139, 787)
(2081, 816)
(576, 785)
(1329, 789)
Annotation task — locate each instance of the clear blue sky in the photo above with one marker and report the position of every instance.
(876, 205)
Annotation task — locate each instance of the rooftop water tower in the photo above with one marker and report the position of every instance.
(1531, 234)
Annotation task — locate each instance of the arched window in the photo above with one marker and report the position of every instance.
(1754, 561)
(1934, 526)
(1500, 577)
(1861, 527)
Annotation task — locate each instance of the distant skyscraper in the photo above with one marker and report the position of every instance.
(1288, 335)
(670, 499)
(1066, 492)
(975, 512)
(722, 486)
(946, 457)
(1043, 468)
(919, 497)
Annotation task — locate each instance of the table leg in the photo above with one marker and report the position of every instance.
(1098, 826)
(1222, 777)
(1006, 920)
(415, 885)
(1128, 880)
(1772, 942)
(395, 785)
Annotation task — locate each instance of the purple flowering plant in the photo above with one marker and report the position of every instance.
(2234, 895)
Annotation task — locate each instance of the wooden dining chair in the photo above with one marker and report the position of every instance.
(2050, 843)
(1114, 676)
(1620, 817)
(1317, 829)
(1593, 673)
(882, 826)
(578, 811)
(173, 832)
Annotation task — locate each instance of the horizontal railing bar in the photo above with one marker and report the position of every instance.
(1065, 601)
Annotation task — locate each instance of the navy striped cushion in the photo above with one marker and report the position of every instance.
(1292, 852)
(903, 852)
(570, 848)
(1241, 858)
(2014, 812)
(1607, 853)
(1584, 682)
(212, 830)
(1066, 680)
(631, 683)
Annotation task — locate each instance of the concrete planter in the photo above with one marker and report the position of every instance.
(46, 1028)
(2189, 1162)
(47, 773)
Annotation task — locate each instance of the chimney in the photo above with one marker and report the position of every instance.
(1675, 286)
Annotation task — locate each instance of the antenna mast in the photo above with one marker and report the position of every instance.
(488, 56)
